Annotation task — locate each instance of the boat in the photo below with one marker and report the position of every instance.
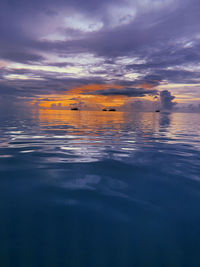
(112, 109)
(157, 110)
(74, 108)
(104, 109)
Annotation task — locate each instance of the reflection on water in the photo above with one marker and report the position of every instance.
(99, 189)
(164, 119)
(90, 136)
(79, 119)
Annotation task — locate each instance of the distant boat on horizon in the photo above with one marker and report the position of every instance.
(104, 109)
(157, 110)
(74, 108)
(112, 109)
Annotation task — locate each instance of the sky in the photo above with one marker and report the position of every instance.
(138, 54)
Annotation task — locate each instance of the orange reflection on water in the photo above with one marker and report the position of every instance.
(96, 123)
(80, 122)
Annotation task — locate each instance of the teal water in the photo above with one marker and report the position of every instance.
(91, 189)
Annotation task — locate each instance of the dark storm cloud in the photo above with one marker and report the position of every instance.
(49, 85)
(6, 89)
(129, 92)
(171, 56)
(60, 64)
(146, 34)
(165, 42)
(147, 29)
(179, 76)
(166, 100)
(173, 76)
(179, 60)
(21, 57)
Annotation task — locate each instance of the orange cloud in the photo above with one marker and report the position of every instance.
(80, 96)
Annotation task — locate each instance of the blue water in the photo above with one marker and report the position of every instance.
(98, 189)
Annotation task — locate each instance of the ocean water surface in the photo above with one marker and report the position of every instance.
(98, 189)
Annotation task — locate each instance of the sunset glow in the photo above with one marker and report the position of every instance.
(99, 133)
(122, 56)
(87, 98)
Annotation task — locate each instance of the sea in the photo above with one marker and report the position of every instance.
(99, 189)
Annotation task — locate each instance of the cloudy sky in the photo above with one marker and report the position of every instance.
(100, 53)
